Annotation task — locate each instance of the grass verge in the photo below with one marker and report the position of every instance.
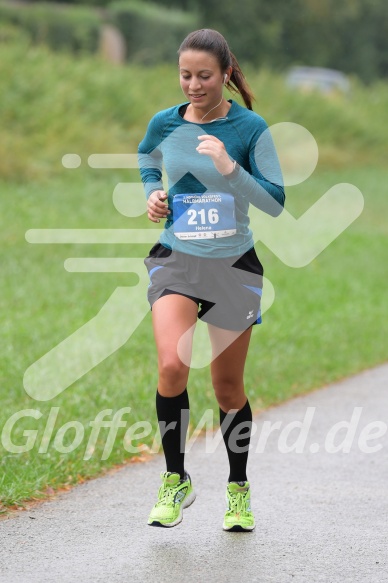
(326, 322)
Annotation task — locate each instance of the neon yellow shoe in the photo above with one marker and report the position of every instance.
(239, 516)
(174, 495)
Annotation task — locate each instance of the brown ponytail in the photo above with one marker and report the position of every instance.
(239, 83)
(207, 39)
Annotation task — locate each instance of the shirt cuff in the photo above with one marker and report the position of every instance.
(234, 172)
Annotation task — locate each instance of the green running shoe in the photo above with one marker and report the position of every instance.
(174, 495)
(239, 516)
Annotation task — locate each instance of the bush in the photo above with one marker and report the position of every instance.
(73, 28)
(152, 33)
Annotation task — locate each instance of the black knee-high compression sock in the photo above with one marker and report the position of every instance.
(237, 442)
(173, 419)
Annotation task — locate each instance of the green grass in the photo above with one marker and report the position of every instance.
(52, 104)
(326, 322)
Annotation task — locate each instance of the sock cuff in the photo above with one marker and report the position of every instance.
(184, 396)
(175, 396)
(243, 413)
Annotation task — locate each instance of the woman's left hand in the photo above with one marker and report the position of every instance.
(213, 147)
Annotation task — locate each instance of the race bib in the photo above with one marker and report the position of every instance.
(204, 216)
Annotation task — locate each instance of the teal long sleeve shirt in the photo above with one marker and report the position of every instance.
(171, 141)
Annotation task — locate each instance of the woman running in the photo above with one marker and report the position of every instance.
(219, 158)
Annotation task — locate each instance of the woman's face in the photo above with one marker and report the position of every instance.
(201, 79)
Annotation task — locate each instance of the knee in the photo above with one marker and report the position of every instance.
(173, 371)
(229, 394)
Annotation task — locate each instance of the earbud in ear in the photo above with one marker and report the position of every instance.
(225, 78)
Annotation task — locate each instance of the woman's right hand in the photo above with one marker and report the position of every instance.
(156, 207)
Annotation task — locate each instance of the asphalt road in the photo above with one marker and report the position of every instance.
(322, 515)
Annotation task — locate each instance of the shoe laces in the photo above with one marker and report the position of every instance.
(167, 493)
(238, 502)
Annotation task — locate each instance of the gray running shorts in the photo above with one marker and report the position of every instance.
(227, 290)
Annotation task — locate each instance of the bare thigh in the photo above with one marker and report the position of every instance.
(174, 317)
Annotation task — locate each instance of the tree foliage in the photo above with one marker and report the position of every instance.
(350, 35)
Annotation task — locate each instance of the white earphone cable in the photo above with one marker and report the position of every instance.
(212, 108)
